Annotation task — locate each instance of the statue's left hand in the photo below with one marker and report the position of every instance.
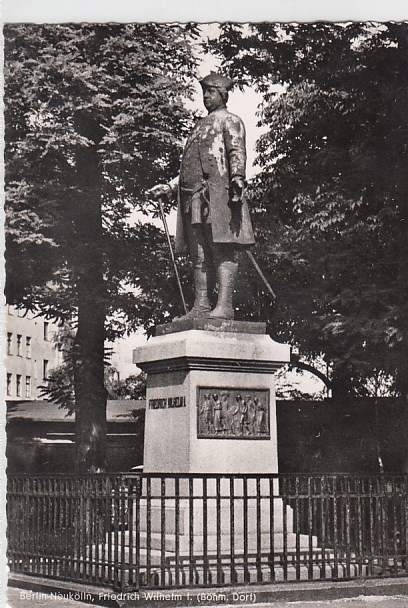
(237, 188)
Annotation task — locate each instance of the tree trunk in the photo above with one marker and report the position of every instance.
(401, 380)
(342, 382)
(90, 393)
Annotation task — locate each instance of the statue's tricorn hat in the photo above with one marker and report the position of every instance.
(218, 81)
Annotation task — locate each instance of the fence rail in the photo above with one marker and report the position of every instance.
(129, 531)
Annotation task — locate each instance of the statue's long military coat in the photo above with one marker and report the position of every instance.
(222, 154)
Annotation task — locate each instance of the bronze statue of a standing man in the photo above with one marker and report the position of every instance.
(212, 216)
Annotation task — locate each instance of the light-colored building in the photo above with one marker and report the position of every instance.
(30, 353)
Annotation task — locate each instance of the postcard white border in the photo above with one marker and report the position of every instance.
(50, 11)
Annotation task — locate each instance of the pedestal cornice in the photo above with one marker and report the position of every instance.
(210, 364)
(212, 350)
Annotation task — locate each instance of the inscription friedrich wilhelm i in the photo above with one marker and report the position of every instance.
(167, 402)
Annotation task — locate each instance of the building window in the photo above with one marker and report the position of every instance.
(28, 386)
(60, 354)
(9, 339)
(28, 347)
(8, 384)
(19, 338)
(18, 385)
(46, 330)
(45, 369)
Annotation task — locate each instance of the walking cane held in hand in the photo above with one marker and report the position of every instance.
(261, 274)
(173, 259)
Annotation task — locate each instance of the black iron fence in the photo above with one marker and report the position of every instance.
(133, 531)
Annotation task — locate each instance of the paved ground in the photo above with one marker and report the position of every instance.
(26, 598)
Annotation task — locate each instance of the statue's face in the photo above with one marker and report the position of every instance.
(212, 99)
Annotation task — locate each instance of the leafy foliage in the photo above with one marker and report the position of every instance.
(330, 201)
(133, 387)
(72, 90)
(94, 117)
(59, 385)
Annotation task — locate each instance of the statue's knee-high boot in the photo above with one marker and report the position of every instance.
(201, 307)
(226, 275)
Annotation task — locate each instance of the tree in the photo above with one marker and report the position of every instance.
(94, 116)
(330, 201)
(59, 384)
(132, 387)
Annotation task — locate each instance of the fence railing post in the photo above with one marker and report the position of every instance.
(130, 531)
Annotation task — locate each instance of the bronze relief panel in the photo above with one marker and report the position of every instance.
(233, 413)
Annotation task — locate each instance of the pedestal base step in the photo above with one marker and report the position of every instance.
(210, 544)
(255, 568)
(209, 567)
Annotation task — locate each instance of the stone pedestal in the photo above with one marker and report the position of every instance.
(210, 405)
(210, 408)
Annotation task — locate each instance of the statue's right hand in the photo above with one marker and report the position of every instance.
(159, 191)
